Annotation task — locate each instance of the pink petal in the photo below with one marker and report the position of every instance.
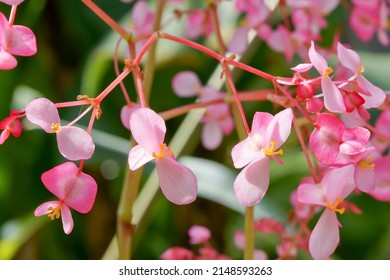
(325, 236)
(67, 220)
(186, 84)
(4, 136)
(303, 67)
(252, 182)
(21, 41)
(260, 122)
(325, 140)
(246, 151)
(77, 190)
(199, 234)
(148, 129)
(311, 194)
(363, 29)
(239, 42)
(365, 179)
(377, 95)
(178, 183)
(7, 61)
(348, 58)
(43, 113)
(126, 112)
(42, 209)
(75, 143)
(138, 157)
(142, 17)
(332, 96)
(338, 182)
(211, 135)
(382, 176)
(317, 60)
(239, 239)
(279, 128)
(314, 105)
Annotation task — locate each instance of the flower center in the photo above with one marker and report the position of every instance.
(367, 163)
(270, 151)
(334, 207)
(55, 127)
(328, 71)
(55, 212)
(162, 153)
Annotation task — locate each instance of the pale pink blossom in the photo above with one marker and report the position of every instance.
(268, 133)
(14, 40)
(177, 182)
(73, 142)
(11, 125)
(73, 188)
(199, 235)
(330, 193)
(199, 23)
(332, 96)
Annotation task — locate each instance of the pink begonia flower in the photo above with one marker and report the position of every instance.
(178, 253)
(199, 23)
(383, 126)
(177, 182)
(368, 18)
(382, 174)
(268, 133)
(12, 2)
(330, 137)
(74, 189)
(268, 225)
(372, 95)
(332, 96)
(217, 119)
(239, 241)
(330, 193)
(11, 125)
(199, 235)
(74, 143)
(14, 40)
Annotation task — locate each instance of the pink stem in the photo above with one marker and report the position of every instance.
(80, 116)
(71, 104)
(12, 15)
(116, 67)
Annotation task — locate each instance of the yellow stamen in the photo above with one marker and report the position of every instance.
(55, 212)
(94, 102)
(367, 163)
(361, 69)
(333, 207)
(328, 71)
(270, 151)
(162, 153)
(55, 127)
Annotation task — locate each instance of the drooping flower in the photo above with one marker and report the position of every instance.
(11, 125)
(333, 98)
(268, 133)
(330, 193)
(14, 40)
(74, 189)
(178, 183)
(73, 142)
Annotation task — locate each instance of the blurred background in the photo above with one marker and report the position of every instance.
(75, 56)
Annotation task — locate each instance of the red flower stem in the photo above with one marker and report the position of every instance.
(214, 17)
(304, 149)
(81, 166)
(92, 119)
(114, 83)
(252, 70)
(107, 19)
(140, 88)
(72, 103)
(145, 48)
(230, 81)
(12, 15)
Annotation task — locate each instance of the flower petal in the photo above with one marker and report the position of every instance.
(148, 129)
(126, 112)
(178, 183)
(325, 236)
(338, 182)
(245, 152)
(42, 209)
(279, 128)
(333, 98)
(67, 220)
(365, 179)
(239, 42)
(43, 113)
(7, 61)
(138, 157)
(75, 143)
(186, 84)
(199, 234)
(260, 122)
(311, 194)
(377, 95)
(21, 41)
(317, 60)
(252, 182)
(349, 58)
(211, 135)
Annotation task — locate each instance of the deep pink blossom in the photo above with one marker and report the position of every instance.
(268, 133)
(11, 125)
(74, 189)
(332, 96)
(177, 182)
(14, 40)
(73, 142)
(330, 193)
